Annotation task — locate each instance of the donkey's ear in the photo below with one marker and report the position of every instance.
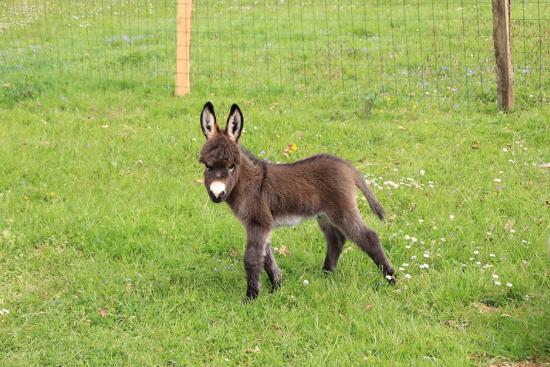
(208, 121)
(234, 123)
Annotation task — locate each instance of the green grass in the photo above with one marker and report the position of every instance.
(112, 254)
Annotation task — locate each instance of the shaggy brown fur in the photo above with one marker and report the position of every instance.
(265, 196)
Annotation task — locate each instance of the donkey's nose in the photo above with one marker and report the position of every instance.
(217, 188)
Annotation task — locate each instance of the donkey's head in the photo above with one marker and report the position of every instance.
(220, 154)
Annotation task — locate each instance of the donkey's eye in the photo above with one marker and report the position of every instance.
(231, 168)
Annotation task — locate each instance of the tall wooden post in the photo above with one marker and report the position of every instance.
(183, 46)
(503, 54)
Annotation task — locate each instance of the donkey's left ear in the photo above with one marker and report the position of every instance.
(234, 123)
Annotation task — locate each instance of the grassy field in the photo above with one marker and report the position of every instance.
(112, 254)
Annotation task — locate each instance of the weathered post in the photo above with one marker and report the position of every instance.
(503, 54)
(183, 46)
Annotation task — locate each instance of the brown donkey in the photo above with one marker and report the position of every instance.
(265, 196)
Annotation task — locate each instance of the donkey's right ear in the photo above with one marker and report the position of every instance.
(209, 125)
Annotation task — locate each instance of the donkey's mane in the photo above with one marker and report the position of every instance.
(251, 156)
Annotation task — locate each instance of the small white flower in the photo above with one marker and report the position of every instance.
(463, 265)
(495, 276)
(305, 282)
(497, 283)
(489, 233)
(389, 277)
(408, 276)
(427, 256)
(497, 180)
(405, 264)
(413, 257)
(424, 266)
(442, 239)
(3, 311)
(476, 252)
(407, 237)
(471, 259)
(451, 217)
(478, 262)
(512, 231)
(505, 150)
(421, 221)
(492, 255)
(422, 172)
(524, 241)
(408, 247)
(401, 268)
(414, 240)
(509, 285)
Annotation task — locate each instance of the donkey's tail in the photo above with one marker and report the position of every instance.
(375, 206)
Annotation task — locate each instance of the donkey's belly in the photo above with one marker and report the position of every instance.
(288, 220)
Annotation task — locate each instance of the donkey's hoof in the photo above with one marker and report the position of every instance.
(276, 285)
(250, 296)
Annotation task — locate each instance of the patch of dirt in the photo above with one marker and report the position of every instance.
(483, 308)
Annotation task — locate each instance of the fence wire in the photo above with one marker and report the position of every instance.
(438, 52)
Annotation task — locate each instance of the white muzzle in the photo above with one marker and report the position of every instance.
(216, 188)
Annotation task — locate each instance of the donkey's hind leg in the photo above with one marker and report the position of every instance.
(335, 243)
(271, 268)
(355, 229)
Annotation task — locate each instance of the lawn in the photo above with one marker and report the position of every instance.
(112, 254)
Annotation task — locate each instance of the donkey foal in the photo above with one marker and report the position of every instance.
(265, 196)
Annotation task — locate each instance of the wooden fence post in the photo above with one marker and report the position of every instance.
(183, 46)
(503, 54)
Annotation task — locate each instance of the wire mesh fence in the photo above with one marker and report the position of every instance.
(436, 52)
(105, 42)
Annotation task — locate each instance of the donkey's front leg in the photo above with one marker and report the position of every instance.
(254, 256)
(271, 268)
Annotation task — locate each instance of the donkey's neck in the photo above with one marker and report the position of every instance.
(249, 182)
